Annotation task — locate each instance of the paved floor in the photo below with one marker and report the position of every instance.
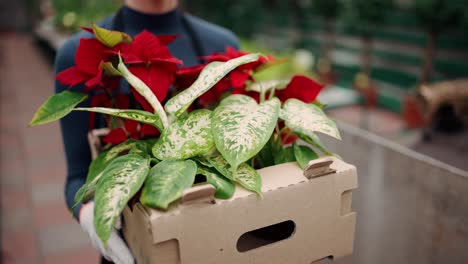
(36, 226)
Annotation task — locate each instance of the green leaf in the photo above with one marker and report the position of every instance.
(245, 175)
(241, 127)
(97, 166)
(144, 91)
(143, 148)
(284, 155)
(120, 181)
(303, 155)
(209, 76)
(110, 38)
(265, 86)
(56, 107)
(186, 138)
(109, 68)
(132, 114)
(118, 149)
(264, 158)
(315, 141)
(166, 182)
(86, 192)
(307, 118)
(224, 187)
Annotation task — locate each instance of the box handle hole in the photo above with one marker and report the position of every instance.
(265, 236)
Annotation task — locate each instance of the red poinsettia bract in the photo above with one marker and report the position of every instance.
(132, 129)
(148, 58)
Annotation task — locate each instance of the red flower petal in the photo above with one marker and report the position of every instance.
(122, 101)
(148, 130)
(166, 39)
(89, 55)
(131, 126)
(147, 46)
(302, 88)
(116, 136)
(72, 76)
(238, 78)
(157, 79)
(96, 80)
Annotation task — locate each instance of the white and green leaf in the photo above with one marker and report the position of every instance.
(307, 118)
(131, 114)
(97, 166)
(166, 182)
(120, 181)
(186, 138)
(265, 86)
(86, 191)
(118, 149)
(303, 154)
(245, 175)
(56, 107)
(144, 91)
(241, 127)
(209, 76)
(224, 187)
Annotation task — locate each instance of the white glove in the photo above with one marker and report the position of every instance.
(116, 251)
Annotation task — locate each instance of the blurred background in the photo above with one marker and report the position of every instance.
(397, 83)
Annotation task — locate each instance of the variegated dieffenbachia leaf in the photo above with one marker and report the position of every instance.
(224, 187)
(307, 118)
(265, 86)
(209, 76)
(97, 166)
(132, 114)
(303, 154)
(56, 107)
(166, 182)
(120, 181)
(110, 38)
(315, 141)
(86, 192)
(144, 91)
(245, 175)
(118, 149)
(241, 127)
(143, 147)
(186, 138)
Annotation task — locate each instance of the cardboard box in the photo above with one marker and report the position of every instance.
(304, 216)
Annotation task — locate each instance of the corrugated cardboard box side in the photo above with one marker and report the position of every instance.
(315, 216)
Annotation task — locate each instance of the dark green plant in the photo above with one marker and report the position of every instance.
(435, 17)
(362, 17)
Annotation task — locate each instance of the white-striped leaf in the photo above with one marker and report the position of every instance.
(97, 166)
(56, 107)
(224, 187)
(307, 118)
(166, 182)
(265, 86)
(245, 175)
(110, 38)
(186, 138)
(132, 114)
(303, 155)
(241, 127)
(120, 181)
(209, 76)
(118, 149)
(144, 91)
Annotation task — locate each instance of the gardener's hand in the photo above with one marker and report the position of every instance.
(116, 250)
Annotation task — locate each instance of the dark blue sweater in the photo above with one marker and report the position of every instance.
(75, 126)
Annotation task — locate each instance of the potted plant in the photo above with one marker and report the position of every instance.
(257, 125)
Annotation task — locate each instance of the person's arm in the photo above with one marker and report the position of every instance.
(74, 130)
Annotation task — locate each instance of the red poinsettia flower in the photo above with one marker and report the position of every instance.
(121, 101)
(89, 55)
(132, 129)
(149, 59)
(302, 88)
